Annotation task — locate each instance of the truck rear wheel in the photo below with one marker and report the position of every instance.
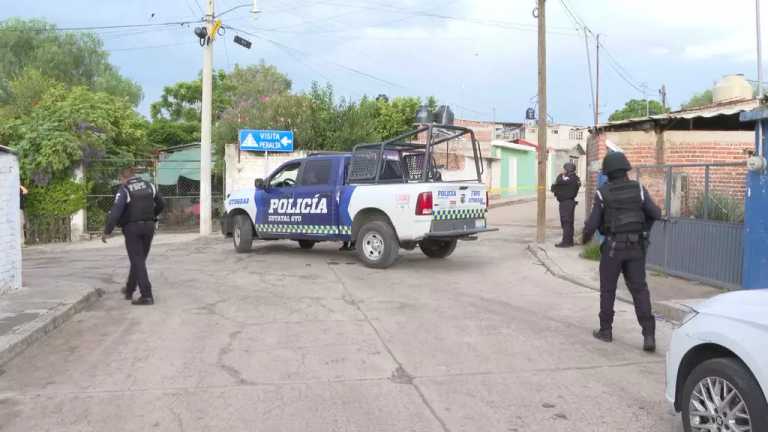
(307, 244)
(377, 245)
(438, 248)
(242, 233)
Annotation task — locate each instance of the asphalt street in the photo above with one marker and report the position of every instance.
(282, 339)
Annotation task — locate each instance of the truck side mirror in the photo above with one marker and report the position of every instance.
(259, 183)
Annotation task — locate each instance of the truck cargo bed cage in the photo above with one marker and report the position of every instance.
(413, 156)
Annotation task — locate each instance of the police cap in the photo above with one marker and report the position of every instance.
(569, 167)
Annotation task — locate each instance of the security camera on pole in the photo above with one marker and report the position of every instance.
(207, 35)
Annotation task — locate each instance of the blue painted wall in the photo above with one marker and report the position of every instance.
(755, 273)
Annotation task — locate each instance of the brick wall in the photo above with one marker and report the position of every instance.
(10, 235)
(681, 147)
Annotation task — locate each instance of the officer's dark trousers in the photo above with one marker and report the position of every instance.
(138, 240)
(627, 259)
(567, 210)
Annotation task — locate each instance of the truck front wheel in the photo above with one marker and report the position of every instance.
(242, 233)
(438, 248)
(377, 245)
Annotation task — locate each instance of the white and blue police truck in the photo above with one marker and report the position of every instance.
(401, 193)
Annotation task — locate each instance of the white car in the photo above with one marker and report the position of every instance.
(717, 364)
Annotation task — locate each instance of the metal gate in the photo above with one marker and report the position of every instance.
(177, 180)
(702, 238)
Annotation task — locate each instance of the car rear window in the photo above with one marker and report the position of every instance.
(317, 172)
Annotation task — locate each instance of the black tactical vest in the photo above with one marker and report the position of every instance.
(623, 203)
(141, 201)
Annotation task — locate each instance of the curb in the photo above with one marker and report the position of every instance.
(497, 204)
(31, 332)
(669, 310)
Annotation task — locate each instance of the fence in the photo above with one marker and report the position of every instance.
(40, 229)
(702, 238)
(177, 180)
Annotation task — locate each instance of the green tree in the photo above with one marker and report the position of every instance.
(636, 108)
(698, 100)
(72, 59)
(182, 101)
(70, 125)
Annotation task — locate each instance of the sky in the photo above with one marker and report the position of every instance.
(478, 56)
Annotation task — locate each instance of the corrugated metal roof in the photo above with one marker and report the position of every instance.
(725, 108)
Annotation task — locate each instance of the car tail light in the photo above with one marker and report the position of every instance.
(424, 204)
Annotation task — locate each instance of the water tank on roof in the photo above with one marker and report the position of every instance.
(731, 88)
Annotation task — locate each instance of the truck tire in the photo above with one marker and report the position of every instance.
(242, 233)
(438, 248)
(736, 394)
(306, 244)
(377, 245)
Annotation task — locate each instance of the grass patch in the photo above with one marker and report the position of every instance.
(591, 252)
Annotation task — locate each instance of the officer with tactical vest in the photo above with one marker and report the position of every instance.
(137, 205)
(624, 213)
(566, 189)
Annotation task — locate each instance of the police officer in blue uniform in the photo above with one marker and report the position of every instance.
(624, 213)
(566, 189)
(137, 205)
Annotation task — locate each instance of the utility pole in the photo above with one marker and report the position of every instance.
(206, 120)
(597, 80)
(759, 53)
(541, 192)
(663, 94)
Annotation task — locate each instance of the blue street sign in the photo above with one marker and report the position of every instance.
(266, 140)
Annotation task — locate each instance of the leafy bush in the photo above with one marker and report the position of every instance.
(591, 251)
(58, 198)
(721, 208)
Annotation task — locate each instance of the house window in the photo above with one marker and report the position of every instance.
(555, 131)
(576, 135)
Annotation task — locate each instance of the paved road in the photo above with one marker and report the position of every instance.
(282, 339)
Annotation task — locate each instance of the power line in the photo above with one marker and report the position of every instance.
(613, 63)
(290, 51)
(95, 28)
(200, 8)
(150, 47)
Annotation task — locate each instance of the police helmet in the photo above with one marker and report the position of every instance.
(615, 161)
(569, 167)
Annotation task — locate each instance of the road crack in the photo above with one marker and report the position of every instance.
(400, 375)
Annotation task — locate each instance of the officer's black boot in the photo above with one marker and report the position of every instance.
(649, 343)
(143, 301)
(605, 335)
(128, 295)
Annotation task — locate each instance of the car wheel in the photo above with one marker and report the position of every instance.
(438, 248)
(242, 233)
(722, 395)
(377, 245)
(307, 244)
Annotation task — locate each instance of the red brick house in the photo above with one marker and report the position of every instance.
(711, 134)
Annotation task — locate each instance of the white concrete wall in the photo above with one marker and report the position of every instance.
(10, 229)
(239, 174)
(78, 221)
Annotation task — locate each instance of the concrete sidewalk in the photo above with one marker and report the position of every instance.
(51, 296)
(669, 295)
(32, 312)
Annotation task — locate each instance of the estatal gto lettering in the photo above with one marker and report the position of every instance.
(312, 205)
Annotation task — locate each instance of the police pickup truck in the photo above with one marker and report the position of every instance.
(401, 193)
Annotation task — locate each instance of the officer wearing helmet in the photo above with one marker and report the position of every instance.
(566, 188)
(624, 213)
